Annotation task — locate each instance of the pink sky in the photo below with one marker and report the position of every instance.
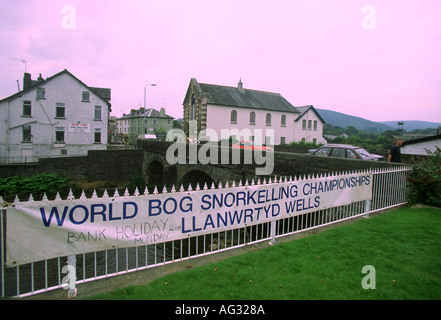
(315, 52)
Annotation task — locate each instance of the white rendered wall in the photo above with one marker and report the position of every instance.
(62, 89)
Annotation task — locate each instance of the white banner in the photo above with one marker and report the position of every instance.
(41, 230)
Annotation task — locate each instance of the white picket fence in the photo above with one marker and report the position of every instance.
(389, 190)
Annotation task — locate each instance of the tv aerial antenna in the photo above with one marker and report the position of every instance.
(24, 61)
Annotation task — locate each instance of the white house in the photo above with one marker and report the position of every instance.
(422, 145)
(144, 122)
(57, 116)
(218, 108)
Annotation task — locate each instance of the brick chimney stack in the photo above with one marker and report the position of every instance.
(27, 81)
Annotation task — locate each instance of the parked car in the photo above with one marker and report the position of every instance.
(251, 145)
(345, 151)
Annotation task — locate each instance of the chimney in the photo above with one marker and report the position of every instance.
(27, 81)
(162, 113)
(40, 78)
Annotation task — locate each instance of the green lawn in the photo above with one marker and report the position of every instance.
(403, 246)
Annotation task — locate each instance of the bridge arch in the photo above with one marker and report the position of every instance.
(194, 177)
(158, 171)
(155, 173)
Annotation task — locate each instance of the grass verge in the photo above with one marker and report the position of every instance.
(403, 246)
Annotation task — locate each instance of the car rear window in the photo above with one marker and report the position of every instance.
(323, 152)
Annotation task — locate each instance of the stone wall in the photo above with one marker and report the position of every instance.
(285, 163)
(103, 165)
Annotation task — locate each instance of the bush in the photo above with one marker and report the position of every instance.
(136, 181)
(425, 180)
(38, 184)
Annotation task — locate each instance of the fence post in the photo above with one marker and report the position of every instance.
(273, 232)
(71, 276)
(367, 208)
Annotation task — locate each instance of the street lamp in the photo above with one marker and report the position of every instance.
(143, 123)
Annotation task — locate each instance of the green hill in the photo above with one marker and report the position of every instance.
(413, 125)
(344, 120)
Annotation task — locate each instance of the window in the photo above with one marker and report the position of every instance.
(339, 153)
(304, 125)
(169, 122)
(268, 140)
(233, 117)
(282, 140)
(309, 124)
(323, 152)
(60, 110)
(97, 136)
(252, 117)
(283, 121)
(350, 154)
(85, 96)
(193, 108)
(59, 134)
(268, 119)
(27, 136)
(41, 93)
(97, 115)
(363, 153)
(27, 110)
(315, 125)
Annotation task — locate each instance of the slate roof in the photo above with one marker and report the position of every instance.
(149, 113)
(305, 109)
(423, 139)
(245, 98)
(103, 93)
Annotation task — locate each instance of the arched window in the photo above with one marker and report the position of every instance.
(193, 108)
(252, 117)
(233, 117)
(268, 119)
(283, 121)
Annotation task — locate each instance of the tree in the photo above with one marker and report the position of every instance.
(351, 131)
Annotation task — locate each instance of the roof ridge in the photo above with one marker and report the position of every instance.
(255, 90)
(50, 78)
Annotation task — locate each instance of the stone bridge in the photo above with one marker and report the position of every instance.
(149, 160)
(224, 166)
(157, 170)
